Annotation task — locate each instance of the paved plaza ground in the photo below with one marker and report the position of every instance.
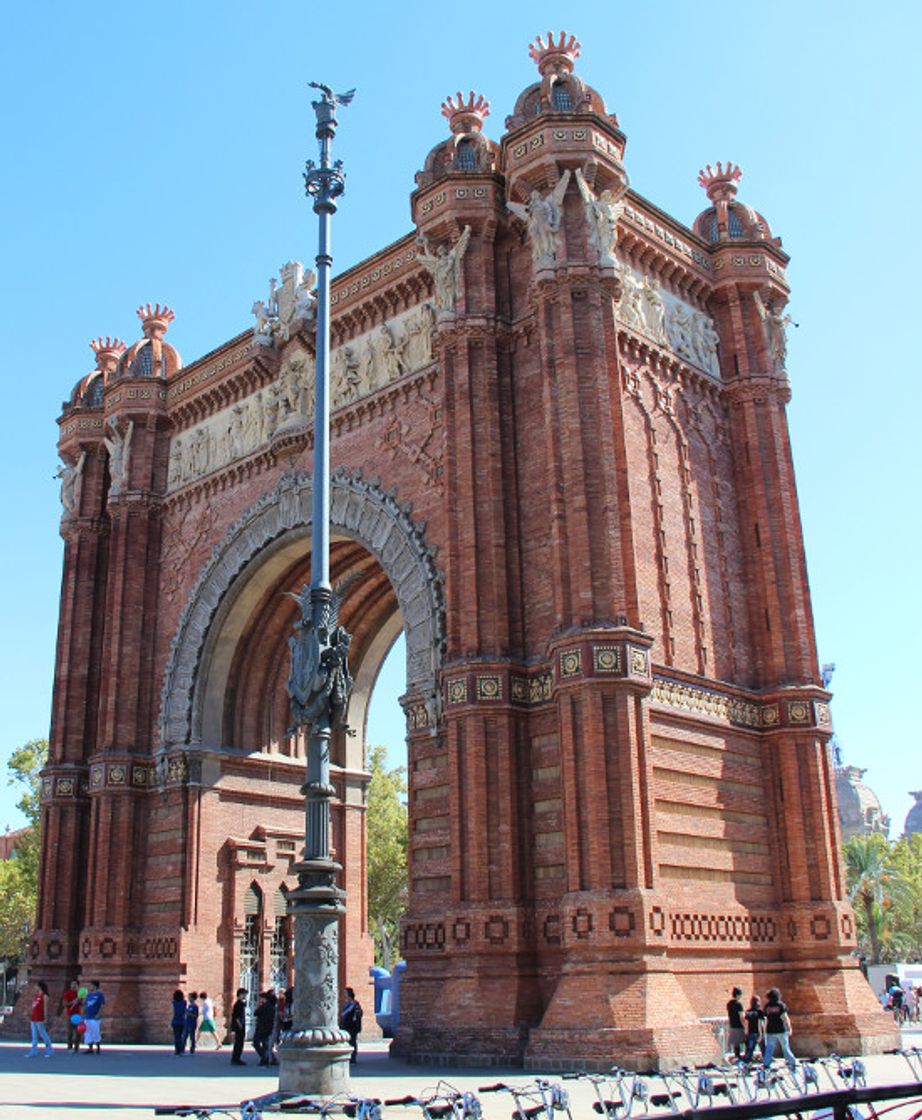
(126, 1082)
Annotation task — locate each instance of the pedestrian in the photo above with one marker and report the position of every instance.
(265, 1024)
(208, 1021)
(755, 1027)
(777, 1030)
(896, 1002)
(37, 1019)
(281, 1015)
(350, 1019)
(191, 1023)
(736, 1032)
(70, 1005)
(92, 1015)
(178, 1022)
(238, 1026)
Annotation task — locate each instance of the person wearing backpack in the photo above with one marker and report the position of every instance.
(350, 1019)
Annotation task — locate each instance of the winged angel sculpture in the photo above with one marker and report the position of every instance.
(542, 215)
(320, 681)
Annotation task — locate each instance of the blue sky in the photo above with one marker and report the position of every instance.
(154, 153)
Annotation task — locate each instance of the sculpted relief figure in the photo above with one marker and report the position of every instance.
(654, 311)
(345, 379)
(445, 266)
(630, 306)
(774, 327)
(118, 444)
(680, 328)
(602, 214)
(704, 341)
(419, 328)
(174, 476)
(542, 215)
(294, 390)
(390, 354)
(692, 336)
(71, 476)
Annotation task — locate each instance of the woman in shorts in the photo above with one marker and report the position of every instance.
(208, 1022)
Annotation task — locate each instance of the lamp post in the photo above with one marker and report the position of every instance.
(314, 1055)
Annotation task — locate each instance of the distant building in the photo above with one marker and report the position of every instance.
(860, 813)
(9, 840)
(914, 816)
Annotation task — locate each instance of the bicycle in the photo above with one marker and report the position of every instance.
(912, 1055)
(443, 1101)
(534, 1099)
(247, 1111)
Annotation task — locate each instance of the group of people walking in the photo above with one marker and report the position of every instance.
(764, 1026)
(193, 1019)
(82, 1008)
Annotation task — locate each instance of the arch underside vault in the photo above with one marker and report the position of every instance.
(224, 680)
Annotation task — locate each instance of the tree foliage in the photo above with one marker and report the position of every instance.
(885, 887)
(19, 873)
(387, 854)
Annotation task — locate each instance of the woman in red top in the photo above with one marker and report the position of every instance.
(38, 1016)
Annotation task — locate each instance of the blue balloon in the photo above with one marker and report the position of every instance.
(75, 1018)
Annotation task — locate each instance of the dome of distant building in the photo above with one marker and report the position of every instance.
(914, 816)
(860, 813)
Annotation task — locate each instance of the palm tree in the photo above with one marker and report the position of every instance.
(875, 886)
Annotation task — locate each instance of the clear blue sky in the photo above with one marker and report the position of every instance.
(154, 152)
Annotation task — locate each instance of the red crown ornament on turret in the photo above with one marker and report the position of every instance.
(554, 57)
(465, 116)
(155, 320)
(720, 184)
(108, 351)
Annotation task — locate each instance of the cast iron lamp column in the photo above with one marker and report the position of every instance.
(314, 1056)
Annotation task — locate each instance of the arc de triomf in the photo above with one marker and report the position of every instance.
(562, 469)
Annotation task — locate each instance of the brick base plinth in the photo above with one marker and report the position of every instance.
(596, 1051)
(871, 1033)
(637, 1017)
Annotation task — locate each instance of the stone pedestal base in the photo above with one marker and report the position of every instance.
(314, 1070)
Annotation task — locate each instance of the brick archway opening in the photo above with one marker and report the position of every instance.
(225, 708)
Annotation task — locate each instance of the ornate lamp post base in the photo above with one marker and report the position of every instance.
(314, 1070)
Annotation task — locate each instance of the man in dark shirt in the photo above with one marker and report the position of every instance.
(736, 1032)
(777, 1029)
(238, 1026)
(265, 1025)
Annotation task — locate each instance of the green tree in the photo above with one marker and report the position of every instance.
(387, 854)
(19, 874)
(880, 893)
(906, 859)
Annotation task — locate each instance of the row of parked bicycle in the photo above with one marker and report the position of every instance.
(620, 1094)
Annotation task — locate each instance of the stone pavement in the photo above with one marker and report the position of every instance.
(126, 1082)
